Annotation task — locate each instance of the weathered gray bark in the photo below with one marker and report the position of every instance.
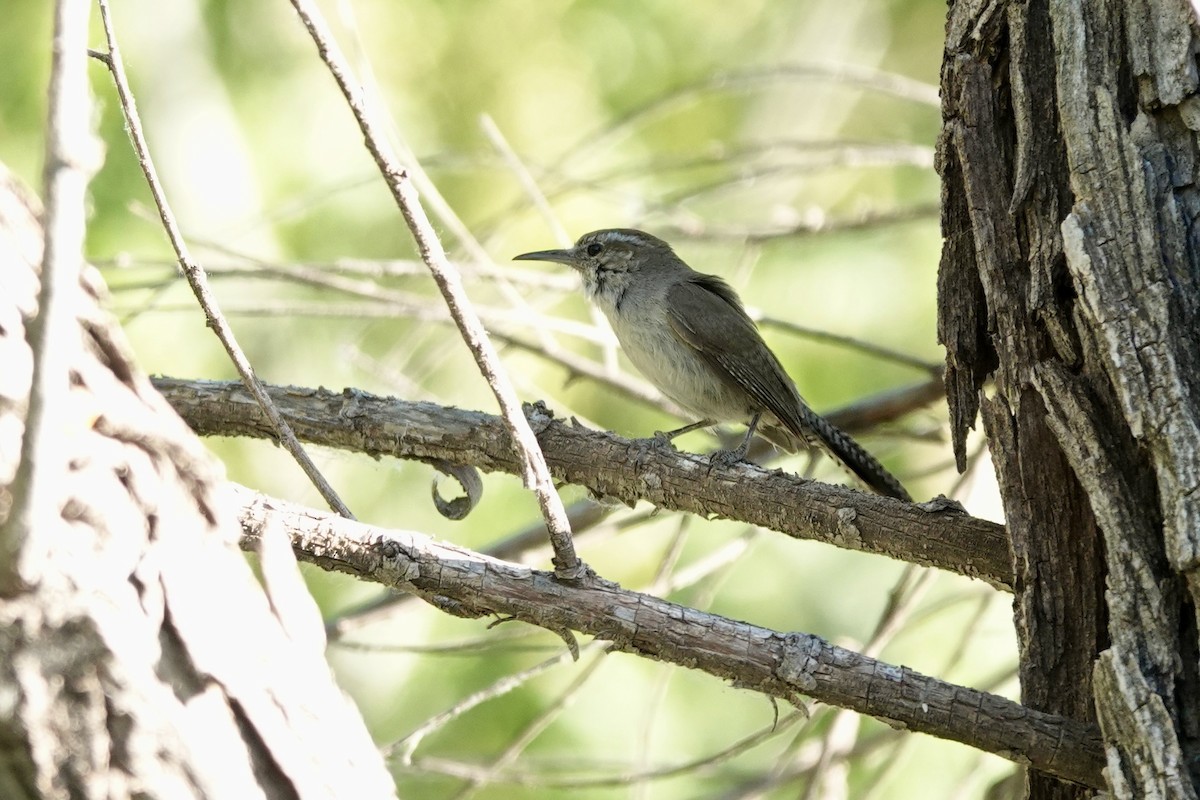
(138, 656)
(781, 664)
(1070, 280)
(935, 535)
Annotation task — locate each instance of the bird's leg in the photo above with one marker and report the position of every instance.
(664, 438)
(727, 458)
(660, 439)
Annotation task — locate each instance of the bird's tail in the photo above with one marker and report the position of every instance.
(852, 456)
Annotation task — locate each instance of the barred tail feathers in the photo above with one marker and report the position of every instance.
(815, 429)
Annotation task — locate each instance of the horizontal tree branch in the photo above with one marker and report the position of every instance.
(928, 534)
(783, 665)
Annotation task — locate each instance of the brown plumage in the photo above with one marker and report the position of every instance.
(689, 335)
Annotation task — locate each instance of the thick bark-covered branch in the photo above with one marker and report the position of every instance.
(785, 665)
(614, 467)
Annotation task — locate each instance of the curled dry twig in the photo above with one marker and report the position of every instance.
(535, 472)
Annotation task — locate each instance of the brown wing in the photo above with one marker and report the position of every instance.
(706, 314)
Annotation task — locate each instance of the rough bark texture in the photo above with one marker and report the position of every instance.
(1070, 279)
(935, 534)
(140, 658)
(784, 665)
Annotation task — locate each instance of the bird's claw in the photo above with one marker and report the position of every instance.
(660, 439)
(658, 442)
(726, 458)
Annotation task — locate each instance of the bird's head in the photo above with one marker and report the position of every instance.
(608, 259)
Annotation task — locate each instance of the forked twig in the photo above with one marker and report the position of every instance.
(196, 276)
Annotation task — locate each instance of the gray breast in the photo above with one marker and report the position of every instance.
(676, 369)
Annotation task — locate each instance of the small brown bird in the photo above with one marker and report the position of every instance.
(689, 335)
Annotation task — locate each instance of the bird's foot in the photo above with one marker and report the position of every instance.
(660, 439)
(726, 458)
(658, 442)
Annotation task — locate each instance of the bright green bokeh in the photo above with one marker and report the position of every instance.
(606, 105)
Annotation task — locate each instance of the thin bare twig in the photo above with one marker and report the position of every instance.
(394, 304)
(848, 342)
(425, 188)
(816, 154)
(71, 158)
(535, 472)
(403, 749)
(697, 766)
(497, 642)
(197, 278)
(838, 743)
(854, 75)
(886, 406)
(244, 265)
(525, 178)
(692, 228)
(531, 188)
(537, 726)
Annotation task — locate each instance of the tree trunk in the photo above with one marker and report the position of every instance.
(138, 656)
(1070, 283)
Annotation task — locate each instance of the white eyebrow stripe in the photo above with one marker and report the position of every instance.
(619, 236)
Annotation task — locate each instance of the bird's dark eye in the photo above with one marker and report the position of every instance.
(594, 249)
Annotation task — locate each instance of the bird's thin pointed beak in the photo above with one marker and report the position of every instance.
(567, 257)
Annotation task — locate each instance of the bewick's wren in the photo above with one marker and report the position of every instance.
(688, 333)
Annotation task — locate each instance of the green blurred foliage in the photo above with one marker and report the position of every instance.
(709, 123)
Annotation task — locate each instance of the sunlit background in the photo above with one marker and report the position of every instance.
(785, 146)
